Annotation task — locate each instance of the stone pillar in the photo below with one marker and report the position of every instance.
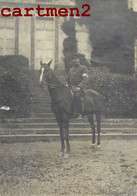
(32, 55)
(16, 36)
(135, 49)
(56, 43)
(25, 37)
(62, 36)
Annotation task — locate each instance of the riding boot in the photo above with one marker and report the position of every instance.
(77, 114)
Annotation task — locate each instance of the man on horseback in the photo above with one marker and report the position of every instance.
(77, 79)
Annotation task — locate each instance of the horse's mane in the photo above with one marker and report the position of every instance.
(56, 79)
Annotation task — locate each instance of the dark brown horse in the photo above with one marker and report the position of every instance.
(62, 105)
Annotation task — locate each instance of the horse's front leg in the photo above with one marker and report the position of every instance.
(60, 124)
(98, 118)
(91, 121)
(66, 127)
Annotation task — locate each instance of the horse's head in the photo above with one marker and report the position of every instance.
(44, 73)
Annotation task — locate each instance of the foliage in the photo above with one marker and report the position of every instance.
(112, 42)
(70, 43)
(119, 92)
(14, 85)
(83, 60)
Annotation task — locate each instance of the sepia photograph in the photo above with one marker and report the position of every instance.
(68, 97)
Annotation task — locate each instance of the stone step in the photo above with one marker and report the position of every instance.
(27, 120)
(42, 111)
(43, 115)
(39, 99)
(52, 119)
(36, 90)
(56, 137)
(41, 105)
(77, 125)
(40, 92)
(26, 131)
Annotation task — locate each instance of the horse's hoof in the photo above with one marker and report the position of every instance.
(99, 147)
(61, 154)
(66, 156)
(93, 145)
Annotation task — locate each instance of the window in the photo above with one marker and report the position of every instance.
(7, 36)
(45, 1)
(39, 44)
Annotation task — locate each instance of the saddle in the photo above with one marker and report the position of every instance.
(85, 102)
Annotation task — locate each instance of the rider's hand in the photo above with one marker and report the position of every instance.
(67, 85)
(78, 89)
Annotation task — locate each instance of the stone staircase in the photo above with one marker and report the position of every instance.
(42, 126)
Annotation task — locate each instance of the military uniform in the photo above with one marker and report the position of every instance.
(77, 80)
(78, 77)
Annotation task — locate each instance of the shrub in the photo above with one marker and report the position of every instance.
(14, 85)
(83, 60)
(70, 43)
(119, 92)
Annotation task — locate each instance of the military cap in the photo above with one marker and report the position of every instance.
(75, 56)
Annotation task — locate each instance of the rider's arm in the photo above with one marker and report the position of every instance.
(85, 77)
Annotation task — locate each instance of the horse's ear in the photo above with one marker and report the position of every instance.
(41, 63)
(49, 63)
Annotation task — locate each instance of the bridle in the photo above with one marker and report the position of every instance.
(55, 85)
(50, 84)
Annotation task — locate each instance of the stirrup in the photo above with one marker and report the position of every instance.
(79, 117)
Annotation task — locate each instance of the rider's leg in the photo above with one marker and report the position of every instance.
(77, 104)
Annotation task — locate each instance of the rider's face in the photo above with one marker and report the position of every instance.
(76, 61)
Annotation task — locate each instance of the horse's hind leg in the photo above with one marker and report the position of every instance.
(91, 121)
(66, 127)
(60, 124)
(98, 118)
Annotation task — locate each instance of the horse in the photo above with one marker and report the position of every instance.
(62, 105)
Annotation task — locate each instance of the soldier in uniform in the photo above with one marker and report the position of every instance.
(77, 79)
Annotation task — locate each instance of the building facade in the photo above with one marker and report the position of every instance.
(132, 5)
(38, 37)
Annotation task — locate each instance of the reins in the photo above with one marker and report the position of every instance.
(58, 86)
(55, 85)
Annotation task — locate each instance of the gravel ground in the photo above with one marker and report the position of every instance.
(35, 169)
